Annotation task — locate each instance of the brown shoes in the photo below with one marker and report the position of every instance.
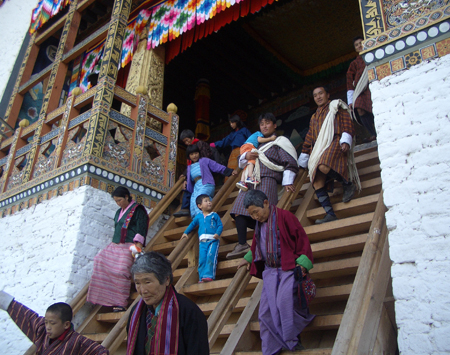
(239, 251)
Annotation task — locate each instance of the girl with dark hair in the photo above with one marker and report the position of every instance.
(111, 278)
(199, 176)
(235, 139)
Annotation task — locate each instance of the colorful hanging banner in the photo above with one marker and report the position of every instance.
(92, 57)
(45, 10)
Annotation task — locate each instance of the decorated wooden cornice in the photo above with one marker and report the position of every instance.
(399, 34)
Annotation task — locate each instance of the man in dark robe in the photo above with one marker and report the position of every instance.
(280, 244)
(163, 321)
(281, 153)
(362, 105)
(52, 334)
(333, 163)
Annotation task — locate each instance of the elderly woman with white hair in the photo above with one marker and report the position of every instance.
(163, 321)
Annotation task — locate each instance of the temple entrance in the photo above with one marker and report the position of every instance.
(268, 61)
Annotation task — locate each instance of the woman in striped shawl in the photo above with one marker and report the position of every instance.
(111, 279)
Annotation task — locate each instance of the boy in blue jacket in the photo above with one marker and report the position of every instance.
(209, 230)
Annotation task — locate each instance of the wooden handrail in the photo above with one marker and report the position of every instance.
(165, 202)
(349, 332)
(118, 333)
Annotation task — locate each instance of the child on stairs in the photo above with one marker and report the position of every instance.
(252, 142)
(209, 230)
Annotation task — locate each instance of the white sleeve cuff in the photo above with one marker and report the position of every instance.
(303, 160)
(242, 161)
(350, 96)
(288, 177)
(346, 138)
(5, 300)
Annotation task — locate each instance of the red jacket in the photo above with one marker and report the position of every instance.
(293, 242)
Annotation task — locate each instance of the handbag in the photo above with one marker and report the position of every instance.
(305, 286)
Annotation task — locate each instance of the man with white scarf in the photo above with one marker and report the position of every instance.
(327, 149)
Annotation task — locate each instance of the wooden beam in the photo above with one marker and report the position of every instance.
(364, 279)
(376, 305)
(222, 312)
(243, 324)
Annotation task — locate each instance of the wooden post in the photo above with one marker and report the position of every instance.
(364, 281)
(139, 115)
(69, 113)
(15, 101)
(55, 83)
(170, 130)
(376, 305)
(16, 144)
(98, 123)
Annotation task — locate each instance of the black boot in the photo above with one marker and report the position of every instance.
(324, 200)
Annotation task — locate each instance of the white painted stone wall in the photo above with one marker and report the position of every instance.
(412, 118)
(47, 253)
(15, 19)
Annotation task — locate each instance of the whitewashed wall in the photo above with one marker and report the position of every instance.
(47, 253)
(412, 118)
(15, 18)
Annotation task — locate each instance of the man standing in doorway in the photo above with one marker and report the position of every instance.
(326, 149)
(358, 92)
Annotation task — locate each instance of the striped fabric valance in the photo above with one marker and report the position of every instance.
(44, 11)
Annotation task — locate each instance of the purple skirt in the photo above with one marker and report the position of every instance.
(281, 318)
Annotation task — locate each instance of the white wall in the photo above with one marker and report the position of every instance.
(47, 253)
(412, 112)
(15, 19)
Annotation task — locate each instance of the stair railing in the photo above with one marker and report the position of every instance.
(358, 324)
(118, 333)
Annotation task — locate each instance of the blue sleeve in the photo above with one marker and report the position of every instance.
(219, 224)
(225, 142)
(192, 225)
(241, 136)
(259, 134)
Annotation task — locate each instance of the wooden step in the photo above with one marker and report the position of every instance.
(332, 293)
(369, 170)
(214, 287)
(331, 321)
(366, 160)
(368, 187)
(183, 221)
(175, 233)
(231, 234)
(339, 246)
(224, 208)
(335, 268)
(111, 317)
(165, 248)
(285, 352)
(354, 207)
(207, 308)
(365, 148)
(342, 227)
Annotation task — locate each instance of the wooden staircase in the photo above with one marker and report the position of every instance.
(351, 271)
